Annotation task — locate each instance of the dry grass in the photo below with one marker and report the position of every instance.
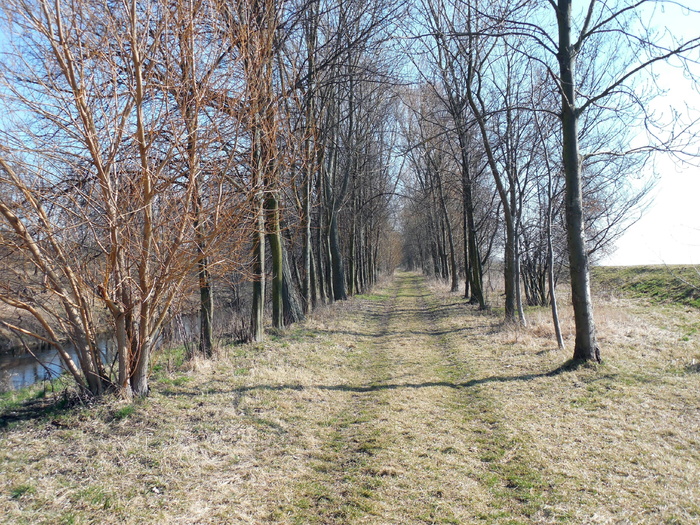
(405, 406)
(620, 441)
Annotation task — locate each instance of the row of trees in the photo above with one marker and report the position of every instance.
(525, 132)
(151, 150)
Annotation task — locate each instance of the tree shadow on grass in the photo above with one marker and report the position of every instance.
(35, 409)
(51, 407)
(397, 333)
(568, 366)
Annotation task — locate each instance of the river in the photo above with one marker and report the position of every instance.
(23, 369)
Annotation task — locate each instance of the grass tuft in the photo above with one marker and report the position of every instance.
(124, 412)
(19, 491)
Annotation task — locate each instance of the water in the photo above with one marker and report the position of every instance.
(23, 370)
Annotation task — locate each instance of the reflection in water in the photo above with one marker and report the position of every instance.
(19, 371)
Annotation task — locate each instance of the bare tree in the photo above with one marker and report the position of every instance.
(598, 19)
(109, 208)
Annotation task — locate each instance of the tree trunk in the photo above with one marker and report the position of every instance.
(586, 347)
(352, 258)
(122, 355)
(509, 269)
(292, 309)
(550, 269)
(308, 284)
(311, 28)
(328, 266)
(258, 310)
(339, 292)
(475, 275)
(320, 266)
(444, 266)
(313, 280)
(436, 260)
(139, 376)
(206, 313)
(450, 236)
(465, 245)
(509, 263)
(206, 298)
(518, 290)
(362, 273)
(274, 237)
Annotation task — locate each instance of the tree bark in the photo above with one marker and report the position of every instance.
(509, 268)
(292, 308)
(550, 270)
(339, 291)
(258, 310)
(475, 274)
(450, 236)
(465, 245)
(320, 253)
(206, 314)
(308, 292)
(352, 248)
(139, 377)
(509, 252)
(206, 297)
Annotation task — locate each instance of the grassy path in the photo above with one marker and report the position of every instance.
(411, 444)
(400, 407)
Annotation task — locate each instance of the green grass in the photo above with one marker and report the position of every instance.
(373, 297)
(96, 496)
(39, 401)
(54, 399)
(19, 491)
(124, 412)
(15, 399)
(659, 284)
(168, 361)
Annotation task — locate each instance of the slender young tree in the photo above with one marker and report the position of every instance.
(598, 19)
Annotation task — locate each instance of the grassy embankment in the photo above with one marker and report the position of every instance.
(405, 406)
(659, 284)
